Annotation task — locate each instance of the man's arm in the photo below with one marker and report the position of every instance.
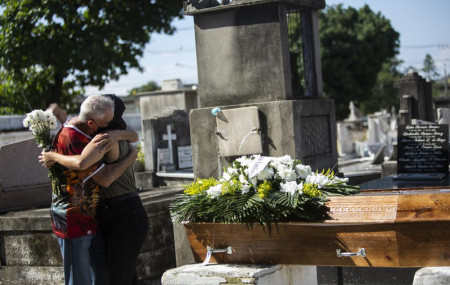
(104, 141)
(92, 153)
(108, 174)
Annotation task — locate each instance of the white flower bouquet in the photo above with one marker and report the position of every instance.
(41, 124)
(263, 190)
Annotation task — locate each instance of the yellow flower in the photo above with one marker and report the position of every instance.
(264, 189)
(311, 190)
(200, 186)
(230, 187)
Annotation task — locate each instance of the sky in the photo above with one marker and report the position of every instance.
(424, 27)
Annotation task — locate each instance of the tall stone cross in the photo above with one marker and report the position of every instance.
(169, 137)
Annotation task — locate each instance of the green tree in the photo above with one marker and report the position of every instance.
(79, 43)
(384, 95)
(354, 46)
(149, 86)
(429, 68)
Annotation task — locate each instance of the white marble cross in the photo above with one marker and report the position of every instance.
(169, 137)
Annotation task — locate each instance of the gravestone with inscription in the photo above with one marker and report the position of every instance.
(163, 136)
(422, 151)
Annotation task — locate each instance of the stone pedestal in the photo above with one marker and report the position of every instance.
(420, 104)
(304, 129)
(198, 274)
(432, 275)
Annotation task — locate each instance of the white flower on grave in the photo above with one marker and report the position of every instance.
(340, 181)
(303, 171)
(319, 179)
(232, 171)
(286, 173)
(291, 187)
(282, 162)
(245, 188)
(266, 174)
(225, 177)
(215, 191)
(242, 179)
(244, 161)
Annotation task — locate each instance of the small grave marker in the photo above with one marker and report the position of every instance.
(422, 151)
(185, 157)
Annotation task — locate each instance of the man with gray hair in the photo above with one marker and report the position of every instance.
(75, 199)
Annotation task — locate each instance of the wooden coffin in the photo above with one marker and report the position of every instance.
(407, 228)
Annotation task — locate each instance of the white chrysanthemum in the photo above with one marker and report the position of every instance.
(282, 161)
(215, 191)
(244, 161)
(232, 171)
(242, 179)
(26, 122)
(286, 173)
(317, 178)
(291, 187)
(266, 174)
(286, 159)
(226, 176)
(303, 171)
(245, 188)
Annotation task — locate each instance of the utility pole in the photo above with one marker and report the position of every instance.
(445, 79)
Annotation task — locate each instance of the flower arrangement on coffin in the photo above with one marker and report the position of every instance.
(41, 124)
(260, 190)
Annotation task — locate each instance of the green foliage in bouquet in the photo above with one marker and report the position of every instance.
(260, 190)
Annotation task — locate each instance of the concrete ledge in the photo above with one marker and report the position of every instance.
(197, 274)
(432, 275)
(175, 175)
(51, 275)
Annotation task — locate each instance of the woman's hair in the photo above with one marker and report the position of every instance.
(95, 106)
(118, 122)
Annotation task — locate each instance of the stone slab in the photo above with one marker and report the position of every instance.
(24, 181)
(197, 274)
(32, 249)
(238, 131)
(49, 275)
(144, 180)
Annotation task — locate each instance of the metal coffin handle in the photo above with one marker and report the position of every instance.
(361, 252)
(210, 251)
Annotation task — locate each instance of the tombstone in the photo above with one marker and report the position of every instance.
(253, 67)
(419, 103)
(171, 84)
(167, 144)
(24, 182)
(422, 152)
(443, 116)
(344, 140)
(173, 95)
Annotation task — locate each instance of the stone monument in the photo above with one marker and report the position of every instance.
(248, 57)
(416, 101)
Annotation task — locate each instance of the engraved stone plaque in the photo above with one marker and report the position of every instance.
(422, 149)
(36, 249)
(185, 157)
(238, 132)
